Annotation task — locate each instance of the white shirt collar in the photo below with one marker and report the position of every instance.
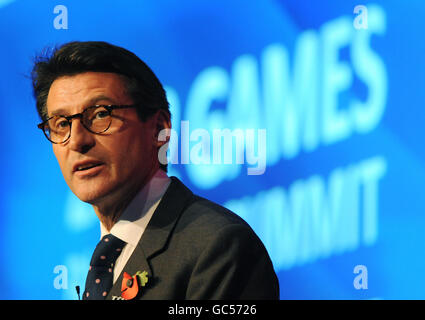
(133, 221)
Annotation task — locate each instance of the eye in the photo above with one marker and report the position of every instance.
(101, 114)
(61, 123)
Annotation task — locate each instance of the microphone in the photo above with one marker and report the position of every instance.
(77, 288)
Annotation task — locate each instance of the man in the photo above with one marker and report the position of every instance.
(103, 109)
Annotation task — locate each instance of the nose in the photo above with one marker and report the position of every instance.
(81, 139)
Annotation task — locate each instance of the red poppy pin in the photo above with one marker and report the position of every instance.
(130, 284)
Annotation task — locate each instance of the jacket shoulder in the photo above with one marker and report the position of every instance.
(209, 216)
(221, 240)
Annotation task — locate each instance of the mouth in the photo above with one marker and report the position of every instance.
(87, 167)
(88, 171)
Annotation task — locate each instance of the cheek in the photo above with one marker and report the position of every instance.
(134, 155)
(60, 157)
(122, 155)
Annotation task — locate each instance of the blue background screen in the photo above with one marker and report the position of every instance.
(328, 101)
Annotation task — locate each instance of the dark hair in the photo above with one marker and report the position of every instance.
(78, 57)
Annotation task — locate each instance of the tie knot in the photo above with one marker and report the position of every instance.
(107, 251)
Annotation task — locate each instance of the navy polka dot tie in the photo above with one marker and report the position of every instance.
(100, 276)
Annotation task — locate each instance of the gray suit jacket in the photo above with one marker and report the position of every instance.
(195, 249)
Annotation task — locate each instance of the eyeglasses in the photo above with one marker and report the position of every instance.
(96, 119)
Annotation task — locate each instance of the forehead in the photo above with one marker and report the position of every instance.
(74, 93)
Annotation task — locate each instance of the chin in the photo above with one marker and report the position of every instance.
(90, 195)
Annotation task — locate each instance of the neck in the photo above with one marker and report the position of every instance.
(110, 210)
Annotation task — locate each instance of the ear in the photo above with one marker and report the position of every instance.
(162, 128)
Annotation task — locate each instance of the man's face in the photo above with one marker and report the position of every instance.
(119, 160)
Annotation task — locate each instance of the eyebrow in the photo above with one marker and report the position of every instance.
(91, 102)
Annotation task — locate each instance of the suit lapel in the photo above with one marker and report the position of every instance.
(155, 237)
(137, 262)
